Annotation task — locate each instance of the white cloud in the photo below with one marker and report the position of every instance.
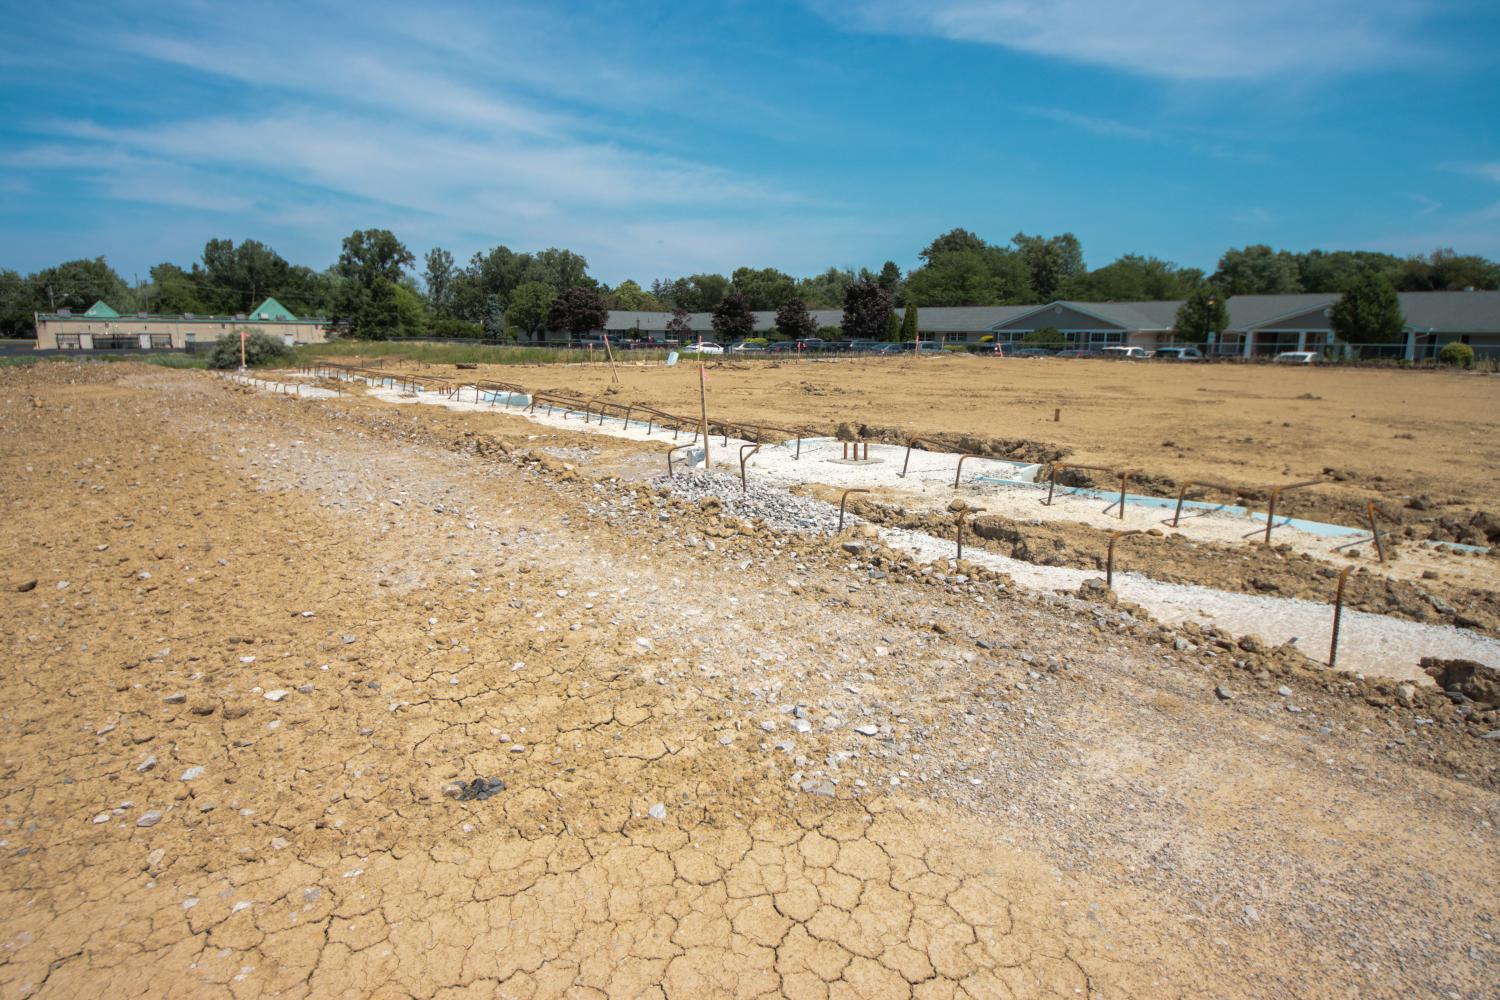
(1174, 39)
(1098, 126)
(476, 135)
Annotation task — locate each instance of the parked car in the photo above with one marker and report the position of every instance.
(992, 348)
(1030, 352)
(1175, 353)
(1131, 353)
(781, 346)
(704, 347)
(867, 346)
(1297, 358)
(839, 347)
(811, 345)
(746, 348)
(1077, 352)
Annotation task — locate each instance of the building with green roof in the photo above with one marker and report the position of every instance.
(101, 328)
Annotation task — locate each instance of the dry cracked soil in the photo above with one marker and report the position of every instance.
(254, 644)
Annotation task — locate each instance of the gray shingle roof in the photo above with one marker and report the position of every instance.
(1249, 312)
(1443, 312)
(1452, 312)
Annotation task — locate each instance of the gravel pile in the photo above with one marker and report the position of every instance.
(760, 501)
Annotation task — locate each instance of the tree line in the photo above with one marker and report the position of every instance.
(377, 290)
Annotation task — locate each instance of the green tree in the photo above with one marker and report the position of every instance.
(952, 241)
(411, 310)
(794, 322)
(890, 277)
(695, 293)
(562, 269)
(439, 276)
(892, 328)
(764, 289)
(1132, 278)
(1444, 270)
(530, 305)
(371, 264)
(175, 291)
(236, 279)
(18, 306)
(1051, 261)
(629, 295)
(732, 320)
(826, 290)
(910, 327)
(988, 277)
(1369, 311)
(1257, 270)
(578, 310)
(867, 307)
(78, 284)
(1204, 311)
(1331, 271)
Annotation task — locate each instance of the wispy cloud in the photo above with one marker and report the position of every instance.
(1097, 126)
(1489, 171)
(1173, 39)
(465, 138)
(1192, 140)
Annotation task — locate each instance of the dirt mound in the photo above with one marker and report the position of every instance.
(1474, 681)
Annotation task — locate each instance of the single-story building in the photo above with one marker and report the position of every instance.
(1258, 324)
(100, 328)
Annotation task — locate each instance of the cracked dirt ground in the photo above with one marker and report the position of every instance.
(266, 634)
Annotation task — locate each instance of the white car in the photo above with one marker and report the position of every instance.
(1136, 353)
(1297, 358)
(705, 347)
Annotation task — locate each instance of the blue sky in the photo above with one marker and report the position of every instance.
(661, 139)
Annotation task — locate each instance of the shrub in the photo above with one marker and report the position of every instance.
(453, 329)
(987, 339)
(1047, 336)
(761, 341)
(260, 349)
(1457, 353)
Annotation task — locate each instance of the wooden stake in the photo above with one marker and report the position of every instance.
(703, 401)
(614, 376)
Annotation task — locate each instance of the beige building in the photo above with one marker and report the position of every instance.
(103, 329)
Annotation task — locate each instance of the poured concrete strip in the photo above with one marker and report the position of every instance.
(1375, 645)
(1371, 644)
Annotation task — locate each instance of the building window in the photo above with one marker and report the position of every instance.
(160, 341)
(68, 342)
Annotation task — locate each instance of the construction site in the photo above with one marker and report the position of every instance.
(895, 677)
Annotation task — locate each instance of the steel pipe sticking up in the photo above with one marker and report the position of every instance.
(671, 472)
(1375, 530)
(1276, 495)
(960, 470)
(743, 459)
(842, 501)
(1189, 484)
(1338, 614)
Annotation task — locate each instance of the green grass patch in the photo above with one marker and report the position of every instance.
(160, 360)
(464, 354)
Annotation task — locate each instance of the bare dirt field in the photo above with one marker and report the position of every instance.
(326, 697)
(1390, 434)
